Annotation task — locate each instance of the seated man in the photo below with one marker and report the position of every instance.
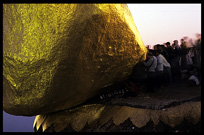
(151, 63)
(163, 69)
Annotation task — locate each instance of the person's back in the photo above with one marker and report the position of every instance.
(176, 47)
(152, 63)
(161, 62)
(170, 52)
(183, 52)
(198, 52)
(165, 62)
(163, 69)
(184, 49)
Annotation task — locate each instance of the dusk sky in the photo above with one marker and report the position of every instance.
(157, 23)
(161, 23)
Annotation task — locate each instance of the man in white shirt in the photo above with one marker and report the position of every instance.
(161, 62)
(163, 68)
(151, 63)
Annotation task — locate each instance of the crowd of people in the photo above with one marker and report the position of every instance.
(166, 63)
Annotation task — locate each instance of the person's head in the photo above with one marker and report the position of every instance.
(155, 47)
(159, 47)
(149, 55)
(153, 52)
(175, 42)
(183, 45)
(157, 52)
(168, 44)
(182, 41)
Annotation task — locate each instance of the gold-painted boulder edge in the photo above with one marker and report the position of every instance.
(56, 56)
(97, 115)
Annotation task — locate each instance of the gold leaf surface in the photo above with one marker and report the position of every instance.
(56, 56)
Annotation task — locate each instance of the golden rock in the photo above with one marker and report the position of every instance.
(56, 56)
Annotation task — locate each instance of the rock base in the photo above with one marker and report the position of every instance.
(106, 118)
(127, 126)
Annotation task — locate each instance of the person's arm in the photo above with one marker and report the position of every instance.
(149, 62)
(159, 60)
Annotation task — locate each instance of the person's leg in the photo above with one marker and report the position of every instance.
(154, 81)
(148, 82)
(169, 74)
(151, 82)
(158, 80)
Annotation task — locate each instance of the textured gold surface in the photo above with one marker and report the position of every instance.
(80, 117)
(56, 56)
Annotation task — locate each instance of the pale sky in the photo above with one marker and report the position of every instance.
(160, 23)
